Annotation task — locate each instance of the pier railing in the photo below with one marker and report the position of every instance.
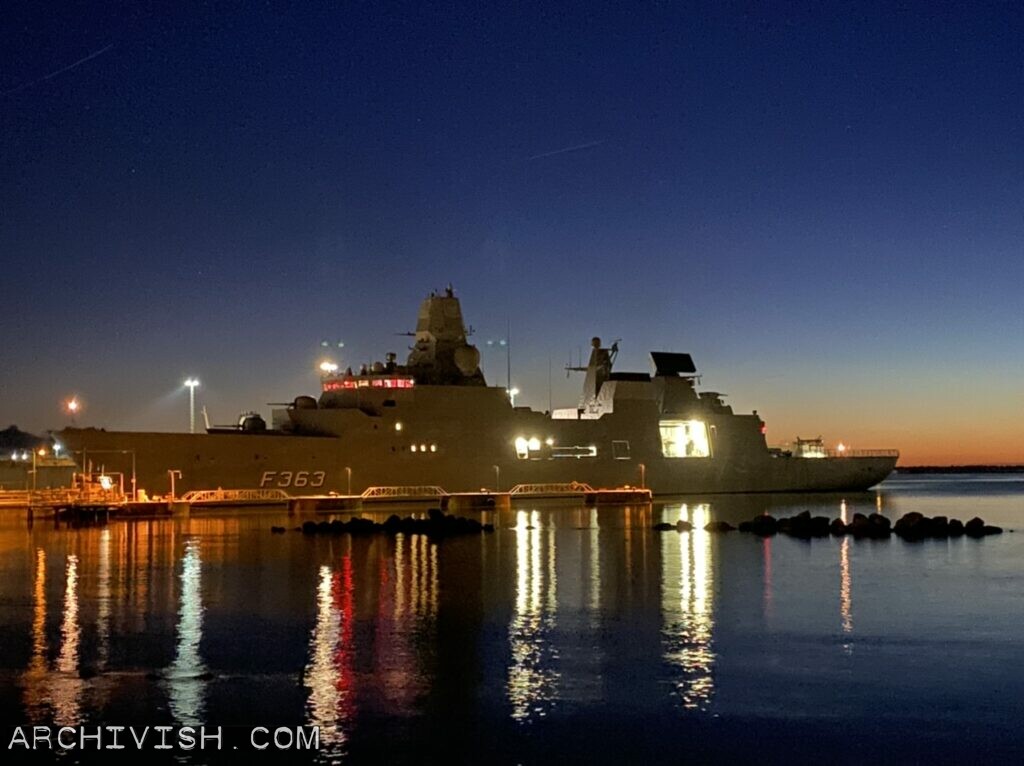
(64, 496)
(400, 492)
(235, 496)
(566, 488)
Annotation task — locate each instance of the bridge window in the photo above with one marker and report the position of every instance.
(685, 438)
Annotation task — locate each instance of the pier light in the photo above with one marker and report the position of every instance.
(72, 405)
(42, 452)
(24, 455)
(57, 447)
(841, 448)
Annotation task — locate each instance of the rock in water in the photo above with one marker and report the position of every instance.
(718, 526)
(974, 528)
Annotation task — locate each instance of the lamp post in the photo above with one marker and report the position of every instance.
(173, 475)
(191, 383)
(35, 465)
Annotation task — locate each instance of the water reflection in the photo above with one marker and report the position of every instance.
(845, 599)
(65, 685)
(406, 621)
(187, 676)
(329, 675)
(532, 675)
(687, 607)
(34, 678)
(104, 600)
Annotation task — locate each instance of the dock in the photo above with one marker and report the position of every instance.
(98, 505)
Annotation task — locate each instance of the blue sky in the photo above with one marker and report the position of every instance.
(822, 203)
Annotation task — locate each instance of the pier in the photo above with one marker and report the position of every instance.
(92, 503)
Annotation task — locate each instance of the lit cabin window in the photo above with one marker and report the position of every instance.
(684, 438)
(522, 448)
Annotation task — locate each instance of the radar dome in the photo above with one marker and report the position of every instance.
(467, 359)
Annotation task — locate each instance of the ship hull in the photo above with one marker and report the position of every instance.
(308, 465)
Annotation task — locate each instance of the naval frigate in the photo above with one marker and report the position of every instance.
(435, 421)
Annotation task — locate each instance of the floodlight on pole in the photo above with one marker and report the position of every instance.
(191, 383)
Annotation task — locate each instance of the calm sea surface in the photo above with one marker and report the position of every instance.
(568, 635)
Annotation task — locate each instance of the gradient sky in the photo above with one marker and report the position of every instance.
(823, 203)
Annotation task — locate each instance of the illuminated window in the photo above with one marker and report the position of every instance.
(522, 448)
(685, 438)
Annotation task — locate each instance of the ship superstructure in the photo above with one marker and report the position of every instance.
(434, 421)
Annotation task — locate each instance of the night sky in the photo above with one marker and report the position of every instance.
(823, 203)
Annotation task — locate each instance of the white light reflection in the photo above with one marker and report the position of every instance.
(186, 678)
(687, 607)
(532, 677)
(65, 686)
(845, 598)
(329, 675)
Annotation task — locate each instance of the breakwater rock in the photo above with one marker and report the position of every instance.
(437, 524)
(910, 526)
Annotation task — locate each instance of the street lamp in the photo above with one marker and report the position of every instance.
(191, 383)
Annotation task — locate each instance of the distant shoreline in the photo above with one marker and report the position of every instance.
(960, 469)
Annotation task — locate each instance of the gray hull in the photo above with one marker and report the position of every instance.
(304, 465)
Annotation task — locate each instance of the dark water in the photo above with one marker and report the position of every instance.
(569, 635)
